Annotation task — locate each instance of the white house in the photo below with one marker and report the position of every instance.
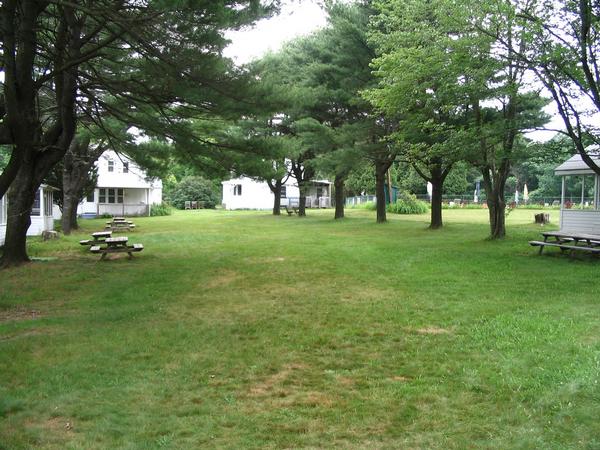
(123, 189)
(41, 213)
(246, 193)
(580, 198)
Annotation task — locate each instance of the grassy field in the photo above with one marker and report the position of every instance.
(243, 330)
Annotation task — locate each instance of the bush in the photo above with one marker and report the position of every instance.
(408, 204)
(194, 189)
(162, 209)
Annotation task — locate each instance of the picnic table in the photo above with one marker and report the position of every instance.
(290, 210)
(569, 240)
(117, 245)
(120, 224)
(97, 238)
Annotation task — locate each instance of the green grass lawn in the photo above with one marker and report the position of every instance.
(243, 330)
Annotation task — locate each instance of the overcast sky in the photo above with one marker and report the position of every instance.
(297, 17)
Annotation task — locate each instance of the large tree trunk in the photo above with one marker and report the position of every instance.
(69, 212)
(77, 162)
(340, 196)
(20, 201)
(437, 184)
(74, 224)
(494, 190)
(302, 200)
(497, 211)
(276, 190)
(380, 180)
(437, 177)
(69, 200)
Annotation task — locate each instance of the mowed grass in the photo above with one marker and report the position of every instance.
(243, 330)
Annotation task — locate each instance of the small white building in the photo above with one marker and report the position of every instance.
(246, 193)
(123, 189)
(41, 213)
(580, 197)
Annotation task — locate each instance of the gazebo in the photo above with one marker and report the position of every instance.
(580, 197)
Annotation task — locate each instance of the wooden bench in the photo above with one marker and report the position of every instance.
(292, 210)
(129, 249)
(564, 246)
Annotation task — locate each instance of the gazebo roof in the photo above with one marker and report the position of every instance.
(576, 166)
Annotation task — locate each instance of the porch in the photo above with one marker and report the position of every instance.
(41, 212)
(123, 201)
(580, 196)
(318, 195)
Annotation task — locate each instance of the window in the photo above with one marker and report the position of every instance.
(90, 197)
(48, 202)
(3, 210)
(111, 165)
(125, 167)
(283, 192)
(110, 195)
(237, 189)
(35, 209)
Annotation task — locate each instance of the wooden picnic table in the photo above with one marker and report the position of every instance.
(117, 245)
(120, 225)
(97, 238)
(569, 240)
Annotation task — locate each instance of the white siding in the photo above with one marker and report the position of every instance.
(581, 221)
(156, 196)
(134, 178)
(254, 195)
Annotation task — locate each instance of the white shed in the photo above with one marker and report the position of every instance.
(246, 193)
(580, 197)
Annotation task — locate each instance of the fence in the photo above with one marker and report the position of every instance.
(469, 199)
(311, 202)
(358, 200)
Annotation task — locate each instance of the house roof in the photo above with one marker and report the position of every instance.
(576, 166)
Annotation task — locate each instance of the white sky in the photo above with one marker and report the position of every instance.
(297, 18)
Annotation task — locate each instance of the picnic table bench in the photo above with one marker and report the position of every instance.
(291, 210)
(117, 245)
(568, 240)
(97, 238)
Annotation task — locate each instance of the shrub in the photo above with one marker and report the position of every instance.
(106, 216)
(408, 204)
(162, 209)
(194, 189)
